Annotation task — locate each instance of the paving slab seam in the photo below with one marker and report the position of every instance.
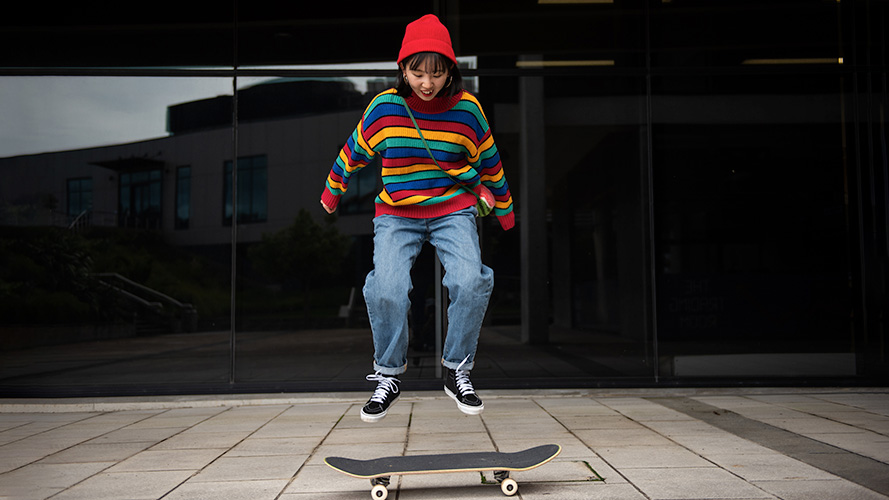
(591, 450)
(314, 451)
(864, 471)
(104, 470)
(78, 443)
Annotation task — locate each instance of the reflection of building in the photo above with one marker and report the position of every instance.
(181, 184)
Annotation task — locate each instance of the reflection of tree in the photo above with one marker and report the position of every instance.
(44, 278)
(301, 254)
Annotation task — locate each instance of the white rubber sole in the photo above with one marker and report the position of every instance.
(365, 417)
(469, 410)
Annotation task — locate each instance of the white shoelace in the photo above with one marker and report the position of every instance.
(385, 385)
(461, 377)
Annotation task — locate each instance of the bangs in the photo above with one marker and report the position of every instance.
(428, 61)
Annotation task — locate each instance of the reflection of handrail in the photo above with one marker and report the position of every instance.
(136, 298)
(143, 288)
(176, 317)
(76, 221)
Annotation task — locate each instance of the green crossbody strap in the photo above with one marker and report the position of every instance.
(417, 126)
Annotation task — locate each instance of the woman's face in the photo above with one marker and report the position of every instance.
(426, 80)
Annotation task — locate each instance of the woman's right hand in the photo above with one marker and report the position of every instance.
(328, 209)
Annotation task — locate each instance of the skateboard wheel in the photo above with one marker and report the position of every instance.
(509, 487)
(379, 492)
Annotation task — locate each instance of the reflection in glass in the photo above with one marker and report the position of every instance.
(98, 287)
(252, 190)
(183, 197)
(140, 199)
(751, 227)
(80, 196)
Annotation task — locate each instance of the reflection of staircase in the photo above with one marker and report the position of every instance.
(153, 312)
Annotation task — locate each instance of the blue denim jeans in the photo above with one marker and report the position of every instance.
(397, 242)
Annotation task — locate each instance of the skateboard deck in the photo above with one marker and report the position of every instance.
(378, 470)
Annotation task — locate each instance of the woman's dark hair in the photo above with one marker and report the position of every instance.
(437, 62)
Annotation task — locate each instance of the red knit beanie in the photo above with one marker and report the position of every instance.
(426, 34)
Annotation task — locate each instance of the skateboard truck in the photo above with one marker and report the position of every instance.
(380, 485)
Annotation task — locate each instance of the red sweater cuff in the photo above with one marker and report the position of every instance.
(329, 199)
(507, 221)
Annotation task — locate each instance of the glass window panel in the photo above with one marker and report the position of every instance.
(751, 219)
(122, 299)
(735, 33)
(566, 35)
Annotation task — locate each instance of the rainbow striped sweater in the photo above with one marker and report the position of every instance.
(458, 134)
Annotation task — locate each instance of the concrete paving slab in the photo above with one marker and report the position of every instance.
(642, 410)
(435, 424)
(560, 407)
(588, 491)
(769, 467)
(96, 452)
(327, 410)
(645, 457)
(126, 435)
(380, 435)
(264, 447)
(251, 468)
(178, 419)
(589, 422)
(228, 490)
(673, 428)
(721, 443)
(875, 403)
(861, 419)
(621, 437)
(544, 435)
(294, 429)
(193, 439)
(767, 412)
(32, 480)
(322, 479)
(160, 460)
(811, 425)
(867, 444)
(679, 484)
(572, 447)
(129, 485)
(437, 443)
(819, 490)
(359, 451)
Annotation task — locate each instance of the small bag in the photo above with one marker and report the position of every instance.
(484, 201)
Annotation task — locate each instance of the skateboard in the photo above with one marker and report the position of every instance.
(378, 470)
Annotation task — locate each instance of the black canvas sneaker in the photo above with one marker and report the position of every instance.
(384, 396)
(459, 388)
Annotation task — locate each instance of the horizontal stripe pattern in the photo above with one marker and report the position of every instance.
(459, 136)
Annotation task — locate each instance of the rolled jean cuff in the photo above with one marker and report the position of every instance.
(453, 366)
(391, 372)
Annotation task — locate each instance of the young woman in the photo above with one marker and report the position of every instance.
(425, 200)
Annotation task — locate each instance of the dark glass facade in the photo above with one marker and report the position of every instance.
(701, 192)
